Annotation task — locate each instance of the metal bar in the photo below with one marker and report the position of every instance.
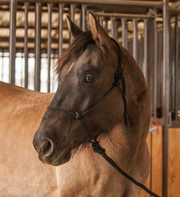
(29, 27)
(84, 9)
(150, 78)
(135, 39)
(165, 97)
(116, 30)
(176, 67)
(113, 28)
(106, 26)
(50, 6)
(38, 47)
(26, 45)
(119, 9)
(124, 33)
(31, 40)
(146, 4)
(174, 11)
(80, 13)
(155, 66)
(61, 6)
(101, 20)
(12, 41)
(72, 11)
(127, 16)
(145, 65)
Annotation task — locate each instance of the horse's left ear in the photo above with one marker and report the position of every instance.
(74, 29)
(98, 32)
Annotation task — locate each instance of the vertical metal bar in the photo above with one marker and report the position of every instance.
(84, 9)
(61, 6)
(145, 65)
(101, 19)
(155, 65)
(151, 60)
(176, 68)
(50, 5)
(72, 11)
(124, 33)
(38, 47)
(12, 41)
(113, 27)
(165, 95)
(26, 45)
(135, 39)
(116, 30)
(106, 26)
(80, 14)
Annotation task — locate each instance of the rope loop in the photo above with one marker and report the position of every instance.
(97, 148)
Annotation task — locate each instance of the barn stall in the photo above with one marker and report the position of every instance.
(34, 34)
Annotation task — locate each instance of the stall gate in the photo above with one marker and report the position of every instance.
(150, 30)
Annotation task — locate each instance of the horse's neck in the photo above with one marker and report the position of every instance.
(86, 167)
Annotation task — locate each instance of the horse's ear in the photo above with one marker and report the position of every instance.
(73, 28)
(98, 32)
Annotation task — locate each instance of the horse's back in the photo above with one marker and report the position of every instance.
(22, 174)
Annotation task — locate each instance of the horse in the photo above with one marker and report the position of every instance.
(70, 166)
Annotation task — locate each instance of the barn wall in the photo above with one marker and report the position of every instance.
(174, 163)
(154, 181)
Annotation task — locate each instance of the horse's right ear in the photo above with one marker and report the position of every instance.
(98, 32)
(74, 29)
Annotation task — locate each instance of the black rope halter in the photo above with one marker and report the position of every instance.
(95, 144)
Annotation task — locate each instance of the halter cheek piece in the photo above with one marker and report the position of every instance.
(95, 144)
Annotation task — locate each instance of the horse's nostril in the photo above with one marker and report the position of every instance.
(47, 148)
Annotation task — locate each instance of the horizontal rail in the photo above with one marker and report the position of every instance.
(175, 11)
(43, 40)
(127, 16)
(148, 4)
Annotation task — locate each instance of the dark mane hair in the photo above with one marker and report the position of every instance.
(75, 50)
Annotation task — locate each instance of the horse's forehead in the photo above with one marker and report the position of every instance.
(91, 56)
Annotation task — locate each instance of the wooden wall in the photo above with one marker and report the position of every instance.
(154, 181)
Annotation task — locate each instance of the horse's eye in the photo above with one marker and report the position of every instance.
(89, 79)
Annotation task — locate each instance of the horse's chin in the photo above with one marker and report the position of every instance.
(62, 158)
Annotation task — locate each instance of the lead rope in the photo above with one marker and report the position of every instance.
(95, 144)
(101, 151)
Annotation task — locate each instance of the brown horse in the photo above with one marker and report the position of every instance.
(86, 73)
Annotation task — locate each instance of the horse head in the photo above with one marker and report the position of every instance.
(86, 73)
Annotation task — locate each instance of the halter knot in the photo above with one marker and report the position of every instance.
(77, 116)
(116, 83)
(97, 148)
(117, 77)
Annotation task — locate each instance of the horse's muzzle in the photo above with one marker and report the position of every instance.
(48, 155)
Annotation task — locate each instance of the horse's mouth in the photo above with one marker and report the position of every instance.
(62, 158)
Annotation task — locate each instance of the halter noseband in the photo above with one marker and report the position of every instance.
(95, 144)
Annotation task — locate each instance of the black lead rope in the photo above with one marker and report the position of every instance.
(95, 144)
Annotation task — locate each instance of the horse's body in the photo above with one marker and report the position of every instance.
(21, 173)
(83, 173)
